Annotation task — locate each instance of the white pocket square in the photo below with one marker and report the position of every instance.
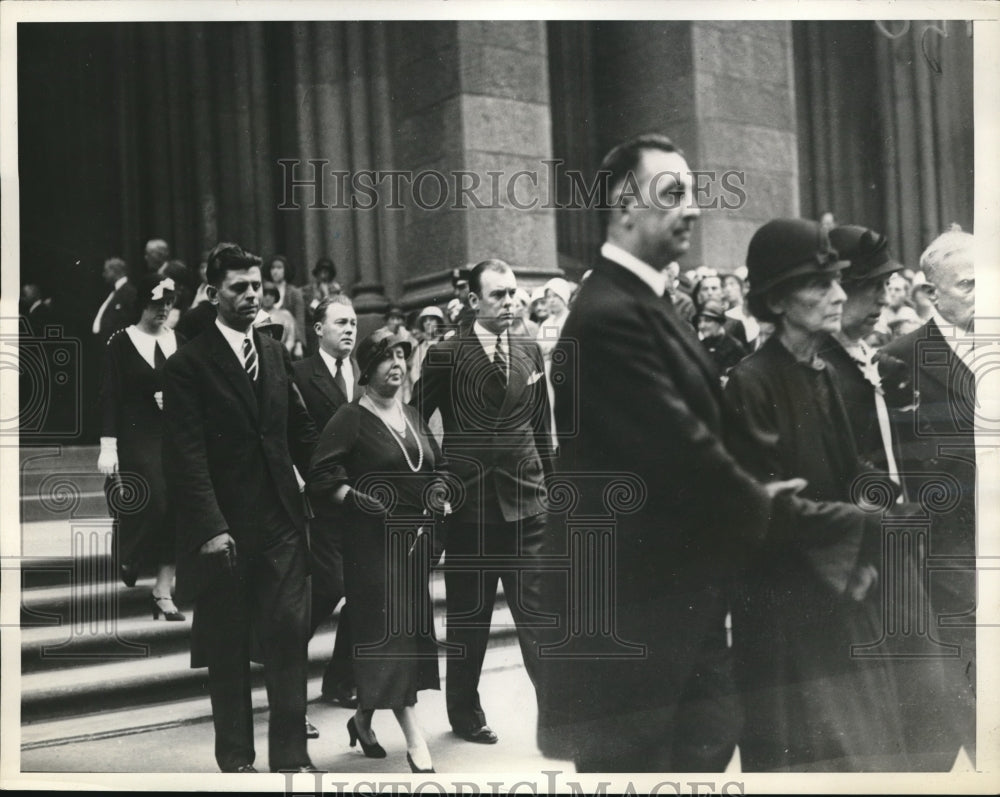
(534, 377)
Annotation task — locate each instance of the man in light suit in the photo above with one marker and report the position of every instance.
(937, 441)
(636, 395)
(490, 389)
(327, 380)
(234, 426)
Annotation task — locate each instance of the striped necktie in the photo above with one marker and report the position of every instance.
(249, 359)
(499, 360)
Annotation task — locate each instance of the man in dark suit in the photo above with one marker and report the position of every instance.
(327, 380)
(937, 441)
(639, 401)
(118, 309)
(234, 426)
(490, 389)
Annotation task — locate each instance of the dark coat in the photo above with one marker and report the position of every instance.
(229, 450)
(808, 702)
(937, 443)
(497, 439)
(196, 320)
(320, 393)
(323, 398)
(119, 313)
(638, 399)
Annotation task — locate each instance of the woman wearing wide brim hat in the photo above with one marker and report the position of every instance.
(378, 460)
(808, 600)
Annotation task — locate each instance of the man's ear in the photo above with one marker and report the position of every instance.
(212, 293)
(473, 301)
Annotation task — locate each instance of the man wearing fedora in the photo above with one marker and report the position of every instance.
(642, 398)
(490, 389)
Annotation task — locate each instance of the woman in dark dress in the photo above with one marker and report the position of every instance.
(808, 603)
(377, 458)
(131, 442)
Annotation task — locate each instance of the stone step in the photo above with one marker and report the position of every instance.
(163, 676)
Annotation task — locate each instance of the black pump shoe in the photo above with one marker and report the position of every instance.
(373, 750)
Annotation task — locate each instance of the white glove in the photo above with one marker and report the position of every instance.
(158, 398)
(107, 460)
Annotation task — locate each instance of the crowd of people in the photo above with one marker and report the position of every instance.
(292, 466)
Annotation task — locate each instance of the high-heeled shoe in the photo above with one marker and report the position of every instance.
(414, 767)
(129, 571)
(165, 606)
(373, 750)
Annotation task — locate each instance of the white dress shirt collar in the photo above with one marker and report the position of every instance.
(488, 340)
(235, 338)
(656, 280)
(346, 371)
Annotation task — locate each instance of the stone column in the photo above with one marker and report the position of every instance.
(473, 121)
(724, 92)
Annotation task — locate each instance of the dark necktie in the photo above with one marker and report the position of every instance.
(338, 378)
(159, 359)
(499, 360)
(249, 359)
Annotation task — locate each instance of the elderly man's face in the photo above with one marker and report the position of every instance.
(660, 218)
(955, 281)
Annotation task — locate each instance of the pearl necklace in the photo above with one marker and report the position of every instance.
(397, 436)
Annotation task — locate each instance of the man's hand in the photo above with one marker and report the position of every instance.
(788, 487)
(221, 545)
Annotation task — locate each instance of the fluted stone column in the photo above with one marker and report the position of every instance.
(472, 99)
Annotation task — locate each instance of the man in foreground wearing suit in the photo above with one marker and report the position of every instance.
(636, 395)
(327, 380)
(490, 389)
(938, 446)
(234, 426)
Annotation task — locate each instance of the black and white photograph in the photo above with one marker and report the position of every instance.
(562, 397)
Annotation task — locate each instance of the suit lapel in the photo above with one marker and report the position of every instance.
(944, 376)
(323, 380)
(232, 368)
(521, 369)
(684, 337)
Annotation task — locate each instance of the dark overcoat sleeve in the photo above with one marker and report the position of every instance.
(643, 419)
(199, 517)
(302, 434)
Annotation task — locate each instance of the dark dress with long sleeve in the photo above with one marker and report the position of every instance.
(811, 703)
(386, 564)
(144, 529)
